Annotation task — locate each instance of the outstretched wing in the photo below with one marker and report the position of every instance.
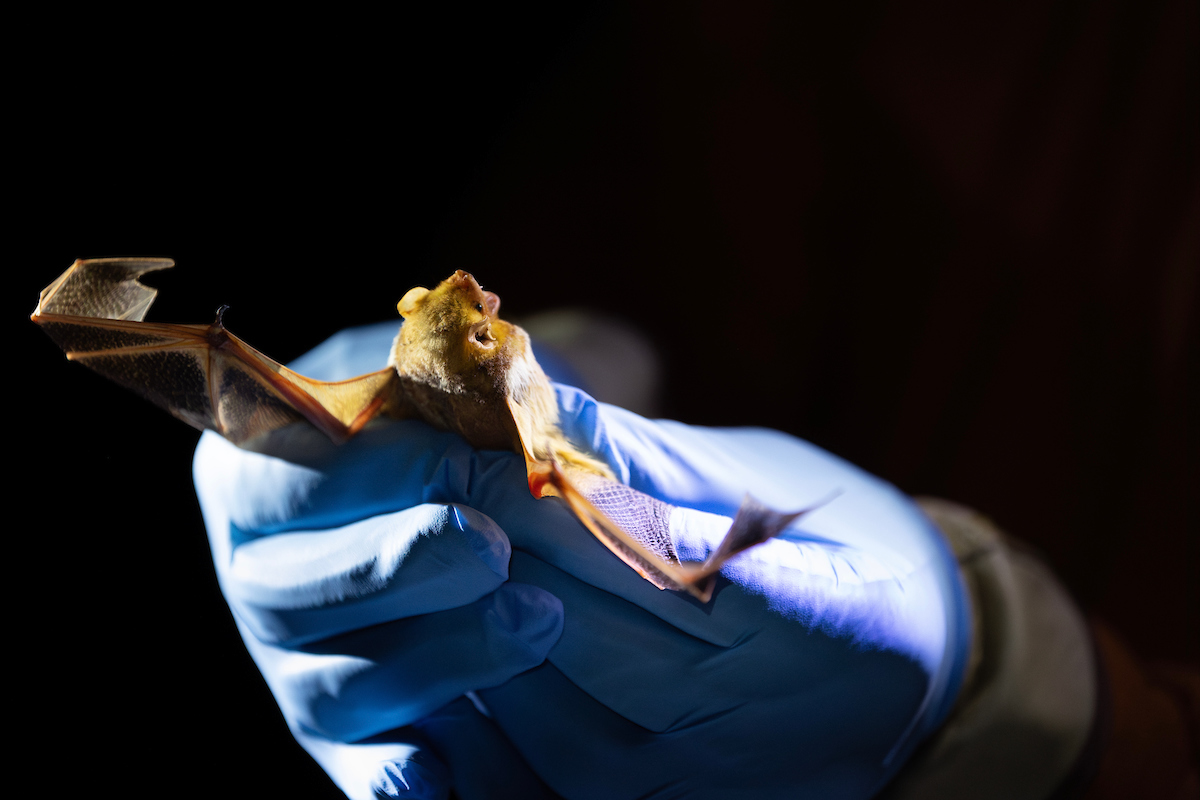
(202, 374)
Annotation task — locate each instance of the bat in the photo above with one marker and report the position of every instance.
(454, 364)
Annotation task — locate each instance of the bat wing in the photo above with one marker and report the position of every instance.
(202, 374)
(644, 543)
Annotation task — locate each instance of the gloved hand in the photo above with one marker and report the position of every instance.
(378, 582)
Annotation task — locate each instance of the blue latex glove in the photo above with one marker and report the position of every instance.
(378, 582)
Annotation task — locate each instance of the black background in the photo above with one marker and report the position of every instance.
(958, 248)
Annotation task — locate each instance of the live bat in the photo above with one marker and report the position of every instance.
(455, 365)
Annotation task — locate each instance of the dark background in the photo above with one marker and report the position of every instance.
(957, 247)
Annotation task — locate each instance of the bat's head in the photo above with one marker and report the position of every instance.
(469, 371)
(460, 292)
(458, 302)
(453, 329)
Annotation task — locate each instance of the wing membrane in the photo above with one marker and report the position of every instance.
(202, 374)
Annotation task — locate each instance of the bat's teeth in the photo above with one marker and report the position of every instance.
(483, 334)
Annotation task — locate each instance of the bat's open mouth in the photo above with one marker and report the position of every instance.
(482, 333)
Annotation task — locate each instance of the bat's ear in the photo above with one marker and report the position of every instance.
(412, 301)
(492, 301)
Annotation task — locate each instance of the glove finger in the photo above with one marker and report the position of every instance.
(362, 683)
(456, 747)
(302, 481)
(397, 764)
(484, 764)
(302, 586)
(297, 479)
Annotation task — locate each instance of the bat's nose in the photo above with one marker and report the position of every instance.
(462, 277)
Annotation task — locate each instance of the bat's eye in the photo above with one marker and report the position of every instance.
(479, 306)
